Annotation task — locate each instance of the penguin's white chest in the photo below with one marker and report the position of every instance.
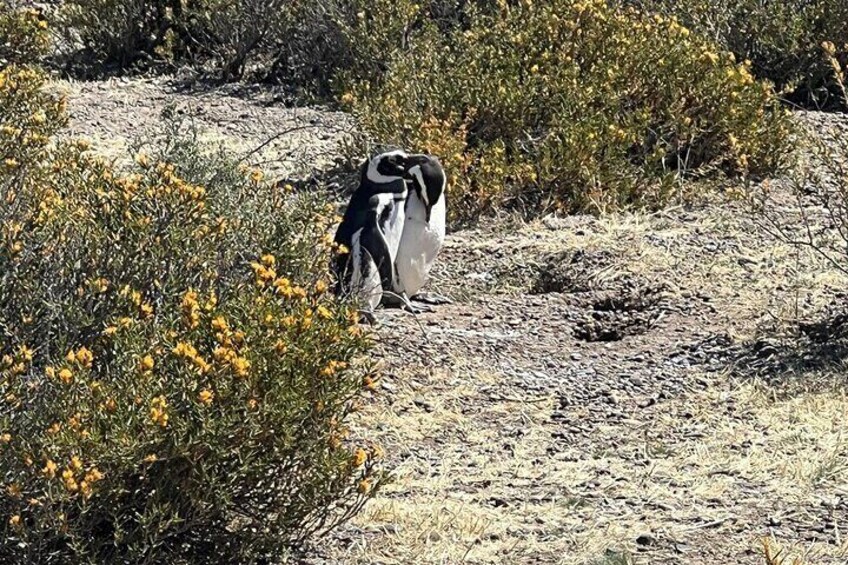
(419, 244)
(393, 225)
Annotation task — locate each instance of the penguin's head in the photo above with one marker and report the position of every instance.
(428, 179)
(388, 167)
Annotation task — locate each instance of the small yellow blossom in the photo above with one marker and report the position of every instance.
(206, 397)
(66, 375)
(49, 469)
(158, 411)
(15, 521)
(84, 357)
(151, 458)
(5, 438)
(69, 480)
(147, 363)
(359, 457)
(241, 366)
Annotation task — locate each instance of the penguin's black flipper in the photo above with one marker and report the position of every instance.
(373, 240)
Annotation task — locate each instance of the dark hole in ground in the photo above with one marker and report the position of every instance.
(622, 312)
(572, 271)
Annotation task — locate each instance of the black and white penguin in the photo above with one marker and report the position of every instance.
(372, 228)
(423, 230)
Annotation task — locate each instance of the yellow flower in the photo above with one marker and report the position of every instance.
(241, 366)
(323, 312)
(68, 479)
(11, 163)
(147, 363)
(359, 457)
(206, 397)
(85, 357)
(5, 438)
(151, 458)
(66, 375)
(158, 411)
(219, 323)
(25, 352)
(256, 175)
(76, 464)
(93, 475)
(49, 469)
(321, 287)
(15, 521)
(364, 486)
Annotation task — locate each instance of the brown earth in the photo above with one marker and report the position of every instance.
(613, 390)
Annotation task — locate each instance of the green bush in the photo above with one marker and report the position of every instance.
(307, 44)
(115, 32)
(782, 39)
(175, 379)
(24, 35)
(568, 105)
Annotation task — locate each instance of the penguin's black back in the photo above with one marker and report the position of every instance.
(360, 205)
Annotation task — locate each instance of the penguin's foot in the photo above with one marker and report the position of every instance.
(432, 298)
(416, 309)
(367, 317)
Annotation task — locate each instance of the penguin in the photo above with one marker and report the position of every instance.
(372, 228)
(423, 231)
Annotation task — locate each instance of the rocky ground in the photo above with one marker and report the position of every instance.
(616, 390)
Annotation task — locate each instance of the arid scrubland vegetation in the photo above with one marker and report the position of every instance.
(644, 360)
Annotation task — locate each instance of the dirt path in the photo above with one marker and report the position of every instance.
(584, 400)
(600, 421)
(115, 113)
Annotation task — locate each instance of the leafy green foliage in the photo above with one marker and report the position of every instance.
(782, 39)
(175, 378)
(570, 105)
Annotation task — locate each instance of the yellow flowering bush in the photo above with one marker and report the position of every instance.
(25, 33)
(782, 39)
(175, 379)
(573, 104)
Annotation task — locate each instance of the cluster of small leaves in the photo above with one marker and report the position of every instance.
(24, 36)
(115, 32)
(573, 104)
(309, 45)
(782, 39)
(175, 377)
